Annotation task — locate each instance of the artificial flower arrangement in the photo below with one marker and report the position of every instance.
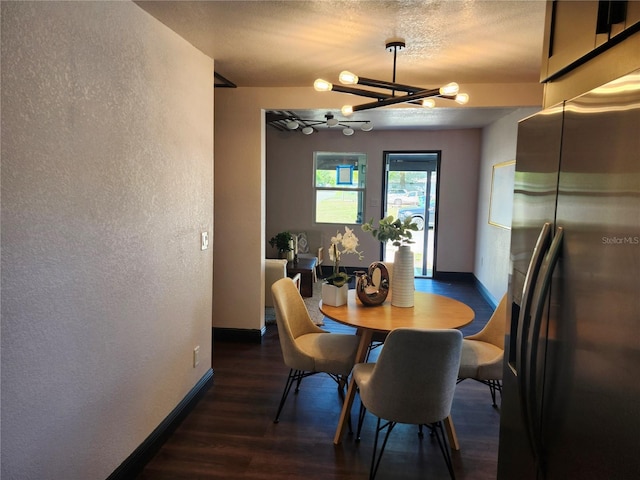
(392, 230)
(349, 244)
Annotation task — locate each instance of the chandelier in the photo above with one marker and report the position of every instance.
(288, 121)
(415, 95)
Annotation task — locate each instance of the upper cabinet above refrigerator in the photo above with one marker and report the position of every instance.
(576, 31)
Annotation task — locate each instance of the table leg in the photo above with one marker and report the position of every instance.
(451, 433)
(365, 340)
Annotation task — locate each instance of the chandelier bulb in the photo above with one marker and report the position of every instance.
(322, 85)
(332, 122)
(449, 89)
(428, 102)
(307, 130)
(347, 131)
(347, 110)
(348, 78)
(462, 98)
(367, 127)
(292, 124)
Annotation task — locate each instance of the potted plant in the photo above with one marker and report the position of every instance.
(392, 230)
(399, 233)
(335, 287)
(283, 241)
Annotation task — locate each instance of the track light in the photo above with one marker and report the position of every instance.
(288, 121)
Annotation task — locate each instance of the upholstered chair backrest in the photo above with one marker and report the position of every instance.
(414, 378)
(494, 331)
(293, 321)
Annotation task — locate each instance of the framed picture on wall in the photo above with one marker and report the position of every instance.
(501, 201)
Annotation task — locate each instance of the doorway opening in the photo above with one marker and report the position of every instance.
(411, 190)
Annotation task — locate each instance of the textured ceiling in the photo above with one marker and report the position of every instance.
(291, 43)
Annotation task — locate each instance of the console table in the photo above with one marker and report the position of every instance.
(305, 267)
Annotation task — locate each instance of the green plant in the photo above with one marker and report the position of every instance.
(282, 241)
(392, 230)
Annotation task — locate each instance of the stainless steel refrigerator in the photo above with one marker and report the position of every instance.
(571, 387)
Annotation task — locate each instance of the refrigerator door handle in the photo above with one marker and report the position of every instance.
(539, 251)
(540, 298)
(522, 327)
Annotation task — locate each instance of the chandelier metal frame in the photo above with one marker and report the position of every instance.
(411, 94)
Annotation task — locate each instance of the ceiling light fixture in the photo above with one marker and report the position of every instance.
(416, 95)
(288, 121)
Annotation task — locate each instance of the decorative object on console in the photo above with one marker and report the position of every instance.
(287, 121)
(309, 246)
(399, 233)
(415, 95)
(284, 242)
(335, 288)
(368, 293)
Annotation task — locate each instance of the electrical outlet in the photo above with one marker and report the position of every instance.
(204, 240)
(196, 356)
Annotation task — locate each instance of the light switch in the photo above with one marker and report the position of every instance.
(204, 241)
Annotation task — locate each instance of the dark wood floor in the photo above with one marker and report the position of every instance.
(231, 435)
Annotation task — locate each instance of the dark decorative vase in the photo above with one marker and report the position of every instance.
(368, 293)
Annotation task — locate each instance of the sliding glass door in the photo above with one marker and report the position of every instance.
(410, 190)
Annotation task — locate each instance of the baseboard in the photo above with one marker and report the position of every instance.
(485, 293)
(242, 335)
(455, 276)
(135, 463)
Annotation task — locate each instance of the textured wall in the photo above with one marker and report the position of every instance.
(492, 259)
(107, 182)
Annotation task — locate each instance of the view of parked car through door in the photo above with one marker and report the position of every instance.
(411, 192)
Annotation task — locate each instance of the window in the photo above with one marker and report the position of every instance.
(339, 186)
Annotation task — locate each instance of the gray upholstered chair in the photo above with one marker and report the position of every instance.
(483, 352)
(412, 382)
(306, 348)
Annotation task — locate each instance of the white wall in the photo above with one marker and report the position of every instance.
(107, 177)
(290, 202)
(492, 262)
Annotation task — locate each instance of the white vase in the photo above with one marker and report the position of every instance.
(402, 284)
(334, 296)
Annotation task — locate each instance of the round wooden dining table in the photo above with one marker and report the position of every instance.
(430, 311)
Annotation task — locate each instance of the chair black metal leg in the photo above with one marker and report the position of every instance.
(493, 386)
(293, 376)
(300, 377)
(375, 463)
(440, 435)
(361, 415)
(492, 389)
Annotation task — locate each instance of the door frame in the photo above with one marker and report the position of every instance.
(386, 154)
